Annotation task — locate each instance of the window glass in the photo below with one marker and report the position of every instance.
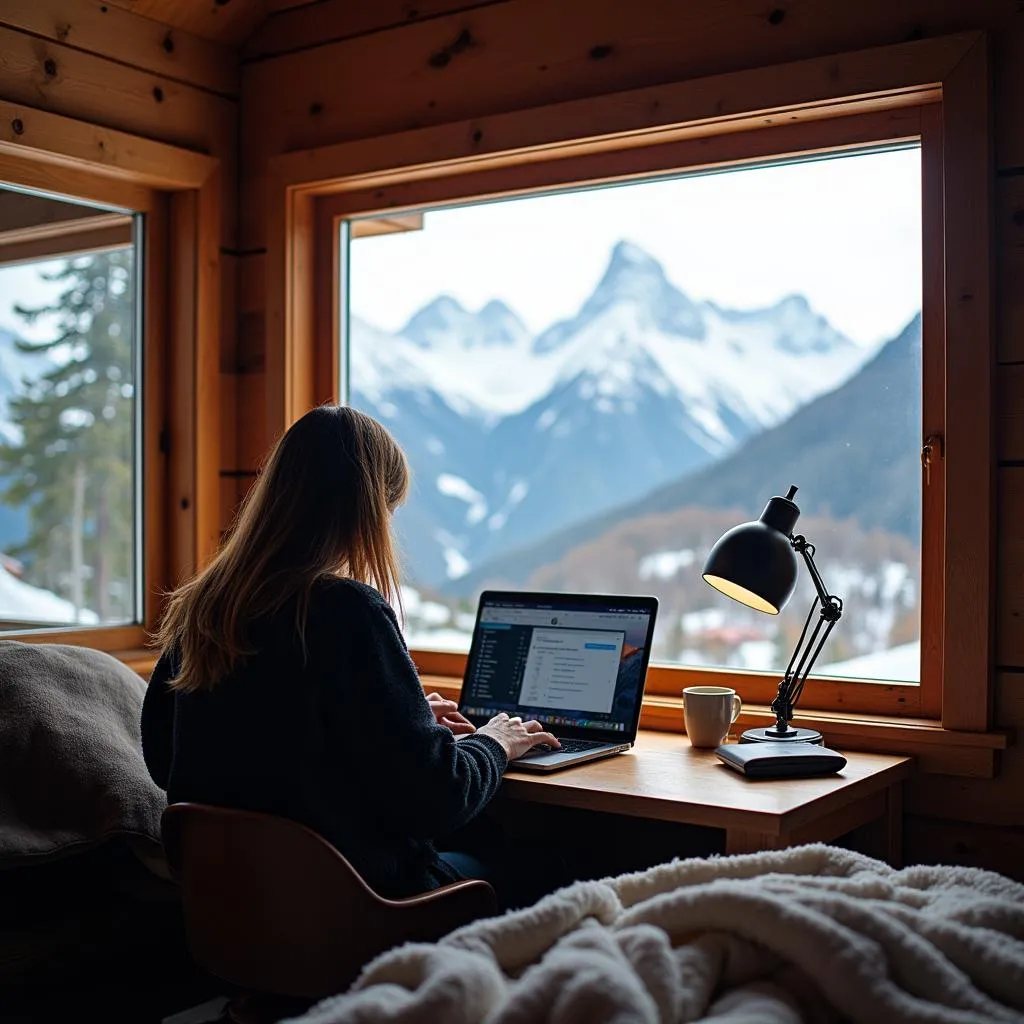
(592, 386)
(68, 415)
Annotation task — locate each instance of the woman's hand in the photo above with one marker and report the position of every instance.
(446, 713)
(515, 735)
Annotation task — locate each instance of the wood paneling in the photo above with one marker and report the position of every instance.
(1010, 701)
(529, 52)
(1010, 412)
(106, 30)
(40, 73)
(1010, 280)
(968, 443)
(983, 801)
(930, 841)
(1010, 568)
(314, 24)
(214, 19)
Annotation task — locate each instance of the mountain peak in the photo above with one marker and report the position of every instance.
(632, 272)
(633, 277)
(445, 322)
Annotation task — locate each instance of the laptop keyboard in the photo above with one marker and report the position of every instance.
(567, 747)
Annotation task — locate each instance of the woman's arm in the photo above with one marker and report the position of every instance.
(424, 782)
(158, 722)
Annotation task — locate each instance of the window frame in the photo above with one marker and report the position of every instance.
(935, 90)
(177, 192)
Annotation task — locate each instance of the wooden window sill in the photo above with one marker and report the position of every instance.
(937, 751)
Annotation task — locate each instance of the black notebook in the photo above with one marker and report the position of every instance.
(781, 760)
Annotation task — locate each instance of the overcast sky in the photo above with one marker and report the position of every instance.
(845, 232)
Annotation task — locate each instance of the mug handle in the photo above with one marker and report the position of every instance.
(737, 707)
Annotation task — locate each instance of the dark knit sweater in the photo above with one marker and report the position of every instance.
(341, 739)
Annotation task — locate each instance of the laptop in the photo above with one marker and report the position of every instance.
(575, 662)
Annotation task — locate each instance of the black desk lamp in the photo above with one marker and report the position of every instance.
(755, 564)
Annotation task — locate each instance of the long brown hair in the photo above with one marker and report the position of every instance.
(320, 507)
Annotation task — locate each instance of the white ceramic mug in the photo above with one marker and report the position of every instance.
(710, 712)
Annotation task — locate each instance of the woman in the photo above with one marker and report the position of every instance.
(285, 685)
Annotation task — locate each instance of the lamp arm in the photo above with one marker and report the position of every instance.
(830, 610)
(803, 547)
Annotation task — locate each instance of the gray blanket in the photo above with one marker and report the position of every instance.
(71, 767)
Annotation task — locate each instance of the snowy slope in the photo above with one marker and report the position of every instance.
(641, 386)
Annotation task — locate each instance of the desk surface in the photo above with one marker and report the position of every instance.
(666, 779)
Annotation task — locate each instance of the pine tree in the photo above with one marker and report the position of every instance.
(72, 466)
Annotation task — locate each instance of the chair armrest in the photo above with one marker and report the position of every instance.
(434, 914)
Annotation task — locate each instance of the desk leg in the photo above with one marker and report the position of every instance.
(739, 840)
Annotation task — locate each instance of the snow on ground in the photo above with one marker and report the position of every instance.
(21, 602)
(663, 565)
(902, 664)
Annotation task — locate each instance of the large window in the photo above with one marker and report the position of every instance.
(593, 385)
(70, 539)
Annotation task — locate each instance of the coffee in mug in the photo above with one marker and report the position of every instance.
(709, 712)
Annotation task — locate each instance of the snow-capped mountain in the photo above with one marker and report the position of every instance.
(512, 437)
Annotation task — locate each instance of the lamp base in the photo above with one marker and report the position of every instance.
(771, 734)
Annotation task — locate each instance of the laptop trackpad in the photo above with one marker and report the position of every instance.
(553, 757)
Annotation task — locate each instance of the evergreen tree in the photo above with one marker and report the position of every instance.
(72, 464)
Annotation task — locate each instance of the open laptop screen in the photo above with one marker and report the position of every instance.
(574, 662)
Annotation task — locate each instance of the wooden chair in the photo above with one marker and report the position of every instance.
(273, 908)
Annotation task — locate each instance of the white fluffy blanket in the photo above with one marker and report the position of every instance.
(812, 933)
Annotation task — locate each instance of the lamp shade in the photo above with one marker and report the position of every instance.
(754, 563)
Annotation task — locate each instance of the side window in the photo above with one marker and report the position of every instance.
(69, 417)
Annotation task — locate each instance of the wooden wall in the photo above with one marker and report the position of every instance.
(100, 63)
(343, 71)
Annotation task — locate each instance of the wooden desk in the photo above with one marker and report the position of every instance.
(665, 779)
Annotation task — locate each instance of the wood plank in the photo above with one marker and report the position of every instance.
(155, 383)
(42, 74)
(984, 801)
(1010, 412)
(530, 52)
(98, 27)
(78, 156)
(1009, 231)
(231, 493)
(228, 428)
(229, 23)
(1010, 568)
(205, 401)
(253, 441)
(968, 443)
(1010, 700)
(1008, 48)
(229, 271)
(251, 313)
(610, 129)
(933, 841)
(309, 25)
(184, 270)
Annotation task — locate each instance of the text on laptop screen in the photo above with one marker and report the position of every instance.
(563, 665)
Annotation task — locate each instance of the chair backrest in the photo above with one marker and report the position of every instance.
(271, 906)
